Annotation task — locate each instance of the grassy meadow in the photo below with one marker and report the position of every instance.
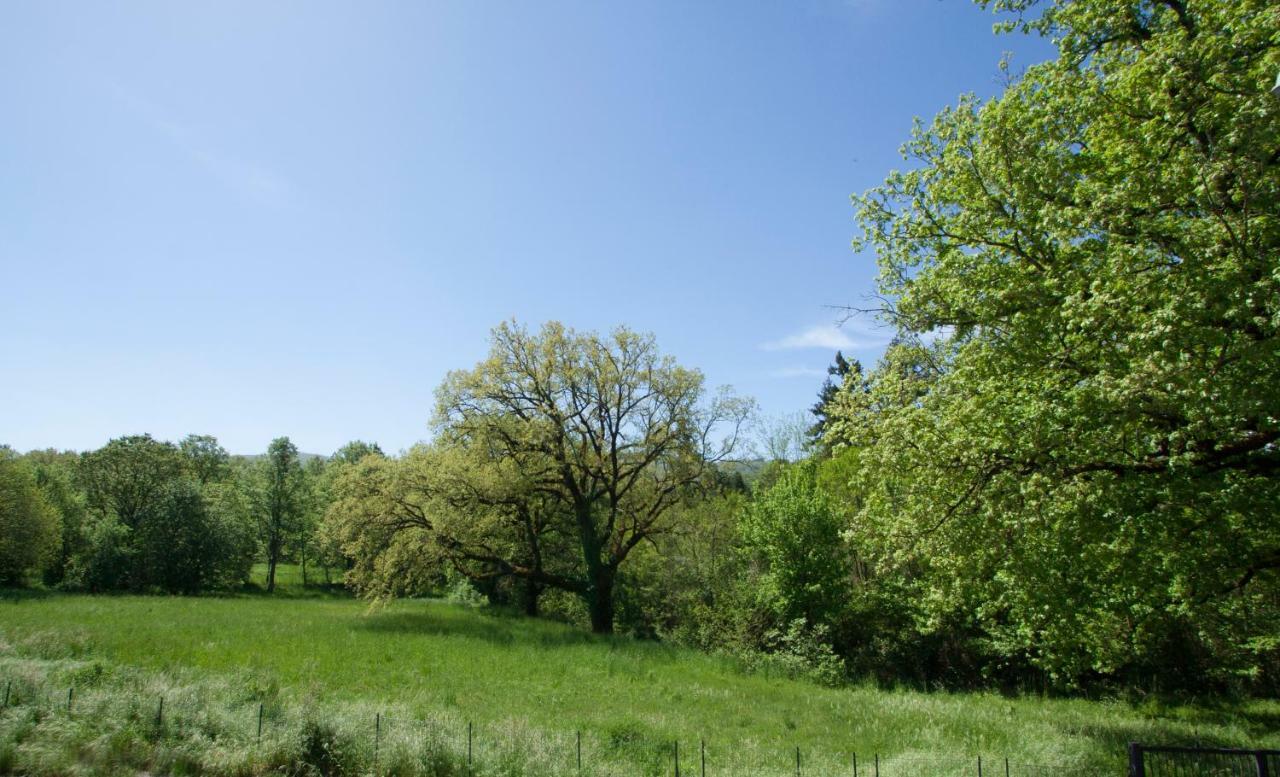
(289, 581)
(327, 671)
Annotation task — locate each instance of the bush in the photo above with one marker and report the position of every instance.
(106, 559)
(794, 531)
(323, 751)
(808, 648)
(462, 592)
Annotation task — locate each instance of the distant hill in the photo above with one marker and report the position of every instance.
(750, 469)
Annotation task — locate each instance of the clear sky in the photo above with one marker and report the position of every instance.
(258, 219)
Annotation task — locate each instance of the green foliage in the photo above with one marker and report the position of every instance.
(373, 503)
(691, 585)
(55, 475)
(280, 497)
(826, 395)
(1074, 443)
(107, 560)
(462, 592)
(186, 546)
(354, 451)
(125, 476)
(554, 459)
(231, 519)
(319, 540)
(29, 527)
(324, 750)
(801, 650)
(204, 459)
(151, 522)
(794, 531)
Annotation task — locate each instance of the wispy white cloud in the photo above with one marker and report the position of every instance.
(248, 179)
(830, 337)
(798, 372)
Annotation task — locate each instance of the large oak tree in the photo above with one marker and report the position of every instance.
(554, 458)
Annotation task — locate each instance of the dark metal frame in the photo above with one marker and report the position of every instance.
(1246, 763)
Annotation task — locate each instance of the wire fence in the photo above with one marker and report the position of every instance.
(382, 739)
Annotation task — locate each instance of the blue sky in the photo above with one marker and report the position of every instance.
(261, 219)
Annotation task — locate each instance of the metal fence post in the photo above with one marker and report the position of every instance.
(1136, 767)
(260, 723)
(579, 751)
(468, 746)
(877, 765)
(70, 693)
(377, 739)
(160, 713)
(1260, 760)
(703, 744)
(676, 750)
(1006, 766)
(797, 762)
(7, 687)
(855, 765)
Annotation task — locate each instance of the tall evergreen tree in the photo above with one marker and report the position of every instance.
(830, 387)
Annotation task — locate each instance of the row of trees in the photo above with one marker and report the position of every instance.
(142, 514)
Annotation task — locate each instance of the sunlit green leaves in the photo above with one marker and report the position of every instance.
(1093, 256)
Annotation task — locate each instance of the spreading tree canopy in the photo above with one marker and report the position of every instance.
(554, 458)
(1077, 437)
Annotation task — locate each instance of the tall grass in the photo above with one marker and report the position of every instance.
(324, 671)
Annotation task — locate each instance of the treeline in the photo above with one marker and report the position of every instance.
(588, 477)
(145, 515)
(592, 479)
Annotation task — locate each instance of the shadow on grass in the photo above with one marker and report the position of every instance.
(25, 594)
(508, 629)
(496, 627)
(1206, 724)
(314, 591)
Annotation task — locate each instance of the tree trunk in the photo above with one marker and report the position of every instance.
(600, 601)
(271, 573)
(532, 590)
(599, 592)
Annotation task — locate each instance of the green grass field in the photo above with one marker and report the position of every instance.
(289, 581)
(429, 668)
